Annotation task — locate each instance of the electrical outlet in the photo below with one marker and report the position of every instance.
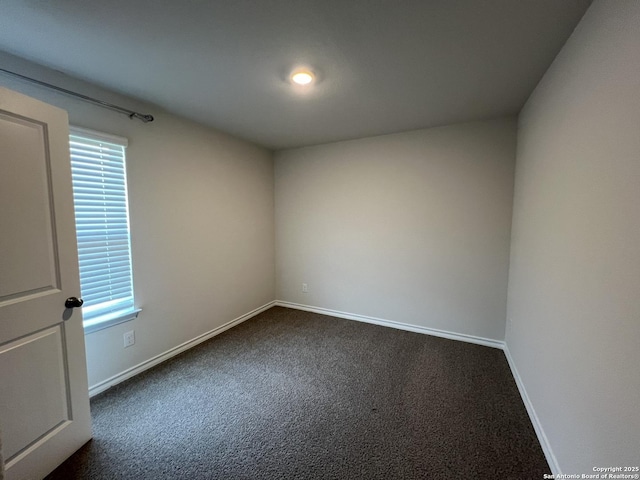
(305, 288)
(129, 338)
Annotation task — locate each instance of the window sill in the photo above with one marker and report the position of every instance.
(97, 324)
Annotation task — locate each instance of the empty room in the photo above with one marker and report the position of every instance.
(308, 239)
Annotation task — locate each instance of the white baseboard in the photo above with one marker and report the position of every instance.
(542, 437)
(487, 342)
(141, 367)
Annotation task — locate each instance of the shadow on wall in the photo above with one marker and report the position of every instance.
(1, 460)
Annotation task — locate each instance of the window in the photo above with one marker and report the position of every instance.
(99, 178)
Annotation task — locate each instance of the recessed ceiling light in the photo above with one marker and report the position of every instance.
(302, 77)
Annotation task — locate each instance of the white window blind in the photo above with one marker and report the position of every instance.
(102, 227)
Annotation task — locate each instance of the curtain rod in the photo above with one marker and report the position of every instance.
(140, 116)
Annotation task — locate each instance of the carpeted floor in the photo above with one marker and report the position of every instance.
(296, 395)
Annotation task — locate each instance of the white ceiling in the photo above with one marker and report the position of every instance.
(383, 66)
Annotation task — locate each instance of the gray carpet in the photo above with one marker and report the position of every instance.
(296, 395)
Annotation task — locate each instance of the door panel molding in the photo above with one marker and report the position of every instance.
(27, 139)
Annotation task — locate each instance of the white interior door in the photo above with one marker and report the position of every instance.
(44, 401)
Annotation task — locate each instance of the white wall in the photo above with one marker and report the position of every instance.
(411, 227)
(201, 207)
(574, 287)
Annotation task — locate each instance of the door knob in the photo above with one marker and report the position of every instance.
(73, 302)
